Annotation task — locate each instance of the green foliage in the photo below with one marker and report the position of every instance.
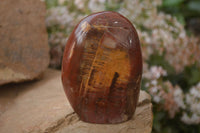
(186, 79)
(112, 7)
(163, 124)
(51, 3)
(182, 9)
(172, 2)
(158, 60)
(194, 6)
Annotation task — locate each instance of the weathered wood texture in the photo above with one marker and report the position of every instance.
(42, 107)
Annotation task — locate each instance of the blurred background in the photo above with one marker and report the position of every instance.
(169, 32)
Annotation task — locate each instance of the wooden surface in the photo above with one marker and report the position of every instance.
(42, 107)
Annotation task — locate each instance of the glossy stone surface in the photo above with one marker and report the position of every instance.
(102, 68)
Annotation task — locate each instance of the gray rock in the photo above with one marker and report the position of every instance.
(42, 107)
(23, 40)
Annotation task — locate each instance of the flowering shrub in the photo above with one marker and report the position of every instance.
(171, 70)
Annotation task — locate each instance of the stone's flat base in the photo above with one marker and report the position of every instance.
(42, 107)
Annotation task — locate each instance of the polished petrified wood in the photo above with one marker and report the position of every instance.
(102, 68)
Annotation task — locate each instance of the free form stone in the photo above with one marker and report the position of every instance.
(102, 68)
(23, 40)
(42, 107)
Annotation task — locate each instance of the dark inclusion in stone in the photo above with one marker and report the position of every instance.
(102, 68)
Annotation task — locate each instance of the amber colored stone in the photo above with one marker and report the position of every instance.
(102, 68)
